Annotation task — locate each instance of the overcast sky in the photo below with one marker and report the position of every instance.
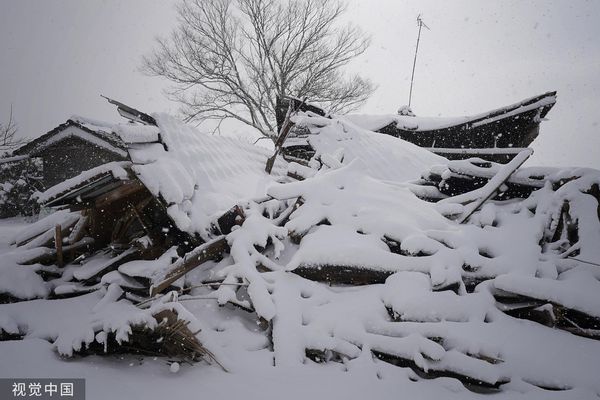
(58, 56)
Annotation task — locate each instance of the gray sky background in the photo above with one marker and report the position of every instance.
(58, 56)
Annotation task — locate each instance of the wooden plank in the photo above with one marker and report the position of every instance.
(491, 188)
(125, 189)
(342, 274)
(78, 230)
(49, 234)
(131, 254)
(50, 255)
(208, 251)
(284, 217)
(235, 216)
(58, 245)
(285, 130)
(473, 383)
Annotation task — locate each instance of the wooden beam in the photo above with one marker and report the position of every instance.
(342, 274)
(49, 255)
(208, 251)
(285, 130)
(234, 216)
(124, 222)
(491, 188)
(127, 188)
(58, 245)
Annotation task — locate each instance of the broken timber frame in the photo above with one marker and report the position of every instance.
(494, 185)
(285, 130)
(211, 250)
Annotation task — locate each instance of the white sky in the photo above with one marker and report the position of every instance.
(58, 56)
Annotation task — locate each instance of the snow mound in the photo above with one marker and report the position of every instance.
(135, 133)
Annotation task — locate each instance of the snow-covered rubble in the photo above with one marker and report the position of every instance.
(384, 157)
(346, 270)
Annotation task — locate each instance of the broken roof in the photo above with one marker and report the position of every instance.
(383, 156)
(85, 184)
(377, 122)
(497, 135)
(195, 175)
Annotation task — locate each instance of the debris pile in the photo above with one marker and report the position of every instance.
(334, 257)
(567, 202)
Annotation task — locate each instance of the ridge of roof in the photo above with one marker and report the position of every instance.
(44, 141)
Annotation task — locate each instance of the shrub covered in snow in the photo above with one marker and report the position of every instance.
(20, 179)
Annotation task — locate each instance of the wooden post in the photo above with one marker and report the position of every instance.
(285, 130)
(58, 245)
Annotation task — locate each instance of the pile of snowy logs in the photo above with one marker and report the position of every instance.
(567, 201)
(336, 267)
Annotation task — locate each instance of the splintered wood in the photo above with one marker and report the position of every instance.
(208, 251)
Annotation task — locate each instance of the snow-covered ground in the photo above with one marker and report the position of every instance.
(145, 378)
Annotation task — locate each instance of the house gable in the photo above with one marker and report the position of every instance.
(73, 129)
(70, 155)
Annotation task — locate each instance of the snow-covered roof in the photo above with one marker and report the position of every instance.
(197, 175)
(376, 122)
(95, 132)
(116, 169)
(383, 156)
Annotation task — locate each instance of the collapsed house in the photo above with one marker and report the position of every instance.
(343, 255)
(497, 135)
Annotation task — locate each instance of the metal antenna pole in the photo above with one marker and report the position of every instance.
(421, 24)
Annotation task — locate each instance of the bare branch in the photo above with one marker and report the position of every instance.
(233, 58)
(8, 131)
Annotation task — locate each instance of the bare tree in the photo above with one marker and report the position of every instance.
(233, 58)
(8, 130)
